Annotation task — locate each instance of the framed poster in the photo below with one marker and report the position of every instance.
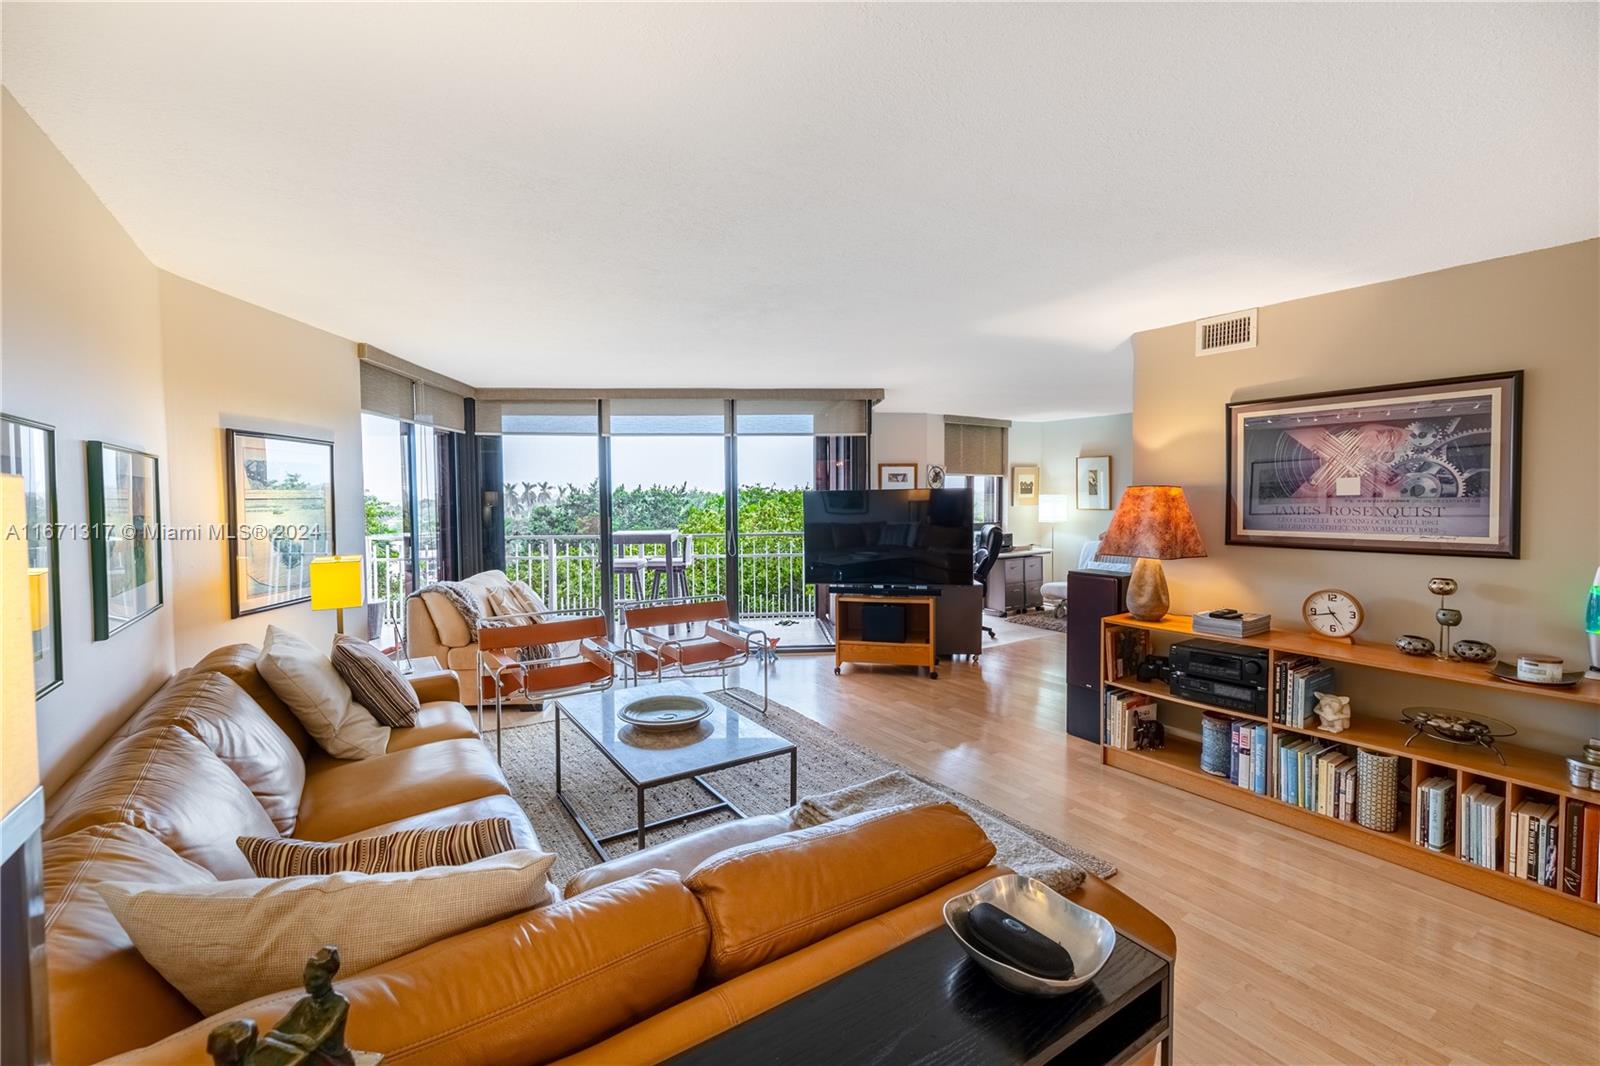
(280, 517)
(1024, 486)
(1428, 468)
(897, 475)
(28, 449)
(124, 536)
(1094, 482)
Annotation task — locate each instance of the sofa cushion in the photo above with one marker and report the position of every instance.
(381, 853)
(499, 805)
(375, 682)
(304, 678)
(238, 662)
(94, 971)
(221, 716)
(683, 854)
(343, 798)
(436, 721)
(164, 780)
(526, 989)
(775, 896)
(226, 942)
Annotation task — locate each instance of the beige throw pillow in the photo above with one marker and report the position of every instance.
(224, 943)
(305, 679)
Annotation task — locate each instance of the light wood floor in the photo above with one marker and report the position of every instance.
(1290, 949)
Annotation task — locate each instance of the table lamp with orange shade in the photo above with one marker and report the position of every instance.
(1152, 523)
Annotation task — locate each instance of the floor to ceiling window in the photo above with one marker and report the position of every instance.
(668, 495)
(550, 494)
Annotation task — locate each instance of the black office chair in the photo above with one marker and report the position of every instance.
(984, 558)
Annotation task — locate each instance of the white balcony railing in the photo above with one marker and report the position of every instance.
(565, 570)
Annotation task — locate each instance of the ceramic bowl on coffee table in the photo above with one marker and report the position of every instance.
(666, 713)
(1087, 936)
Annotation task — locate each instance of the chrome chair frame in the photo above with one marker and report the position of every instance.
(735, 635)
(600, 646)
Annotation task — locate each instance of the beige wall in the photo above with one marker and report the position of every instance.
(1055, 447)
(232, 365)
(1537, 312)
(81, 350)
(906, 438)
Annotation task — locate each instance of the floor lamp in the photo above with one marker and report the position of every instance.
(25, 1014)
(1054, 508)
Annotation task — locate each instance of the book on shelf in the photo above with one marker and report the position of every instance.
(1297, 682)
(1247, 755)
(1123, 709)
(1246, 625)
(1480, 826)
(1433, 818)
(1589, 877)
(1532, 841)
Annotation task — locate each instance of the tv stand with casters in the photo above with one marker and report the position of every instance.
(915, 648)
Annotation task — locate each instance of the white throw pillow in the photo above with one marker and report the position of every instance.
(305, 679)
(226, 942)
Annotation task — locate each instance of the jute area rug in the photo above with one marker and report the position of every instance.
(836, 777)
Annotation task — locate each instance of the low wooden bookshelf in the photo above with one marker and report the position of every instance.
(1526, 773)
(916, 650)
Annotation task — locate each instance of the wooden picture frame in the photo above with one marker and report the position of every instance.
(1094, 483)
(28, 449)
(125, 536)
(897, 475)
(1025, 486)
(280, 516)
(1421, 468)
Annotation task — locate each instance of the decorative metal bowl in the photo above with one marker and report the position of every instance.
(665, 714)
(1411, 644)
(1087, 936)
(1474, 651)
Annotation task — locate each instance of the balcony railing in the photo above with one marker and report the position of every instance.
(565, 571)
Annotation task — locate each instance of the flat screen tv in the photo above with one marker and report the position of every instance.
(900, 537)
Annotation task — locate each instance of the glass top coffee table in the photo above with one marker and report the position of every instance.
(721, 740)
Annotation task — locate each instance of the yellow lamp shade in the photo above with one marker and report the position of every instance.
(39, 596)
(19, 744)
(336, 582)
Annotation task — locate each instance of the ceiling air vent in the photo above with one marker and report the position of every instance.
(1225, 333)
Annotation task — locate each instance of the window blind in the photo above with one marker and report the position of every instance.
(972, 448)
(820, 418)
(557, 417)
(397, 395)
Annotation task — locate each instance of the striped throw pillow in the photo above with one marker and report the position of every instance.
(403, 852)
(375, 682)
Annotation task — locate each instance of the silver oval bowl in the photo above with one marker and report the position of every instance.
(665, 713)
(1087, 936)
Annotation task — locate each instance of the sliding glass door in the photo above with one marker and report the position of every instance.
(550, 458)
(409, 473)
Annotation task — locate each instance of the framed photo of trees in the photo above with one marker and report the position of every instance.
(28, 449)
(280, 517)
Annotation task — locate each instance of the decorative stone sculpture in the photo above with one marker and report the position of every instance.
(312, 1033)
(1333, 713)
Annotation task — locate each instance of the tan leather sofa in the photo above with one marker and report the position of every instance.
(434, 627)
(646, 956)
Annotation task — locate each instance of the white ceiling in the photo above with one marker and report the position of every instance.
(970, 206)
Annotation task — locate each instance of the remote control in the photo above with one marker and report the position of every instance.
(1018, 944)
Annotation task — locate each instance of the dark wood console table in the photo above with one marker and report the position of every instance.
(927, 1003)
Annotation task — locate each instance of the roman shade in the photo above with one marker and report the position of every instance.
(560, 417)
(393, 388)
(664, 416)
(800, 417)
(975, 446)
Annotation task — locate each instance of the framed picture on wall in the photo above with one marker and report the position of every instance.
(280, 517)
(28, 449)
(1024, 486)
(124, 536)
(1094, 482)
(897, 475)
(1429, 467)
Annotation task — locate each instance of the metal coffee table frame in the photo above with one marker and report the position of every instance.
(641, 827)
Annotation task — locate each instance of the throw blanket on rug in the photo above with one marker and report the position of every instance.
(1014, 849)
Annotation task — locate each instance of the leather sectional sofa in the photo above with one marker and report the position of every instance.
(645, 956)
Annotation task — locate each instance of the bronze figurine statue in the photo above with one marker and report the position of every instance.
(312, 1033)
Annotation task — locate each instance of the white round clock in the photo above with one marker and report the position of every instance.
(1333, 613)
